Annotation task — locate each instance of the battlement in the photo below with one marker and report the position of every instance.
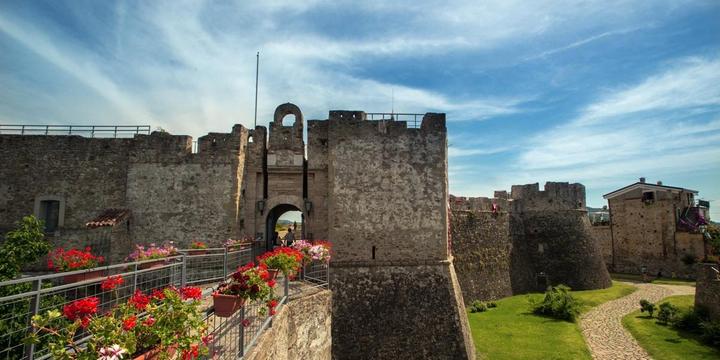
(555, 196)
(431, 122)
(495, 204)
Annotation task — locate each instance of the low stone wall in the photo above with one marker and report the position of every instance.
(707, 290)
(399, 312)
(300, 330)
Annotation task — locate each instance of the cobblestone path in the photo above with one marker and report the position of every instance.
(602, 328)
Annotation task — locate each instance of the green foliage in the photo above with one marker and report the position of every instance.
(714, 241)
(24, 245)
(710, 332)
(667, 313)
(689, 320)
(491, 304)
(478, 306)
(558, 303)
(646, 306)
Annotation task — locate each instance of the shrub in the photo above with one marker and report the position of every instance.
(689, 320)
(710, 332)
(491, 304)
(24, 245)
(667, 313)
(558, 303)
(647, 306)
(478, 306)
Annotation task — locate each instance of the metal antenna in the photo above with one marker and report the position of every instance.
(257, 71)
(392, 103)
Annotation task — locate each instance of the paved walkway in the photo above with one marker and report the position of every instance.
(603, 330)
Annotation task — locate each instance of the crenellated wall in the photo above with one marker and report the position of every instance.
(173, 194)
(387, 207)
(508, 246)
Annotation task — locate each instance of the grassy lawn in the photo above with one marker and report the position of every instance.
(510, 331)
(664, 342)
(662, 280)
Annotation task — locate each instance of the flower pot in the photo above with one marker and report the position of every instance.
(154, 353)
(273, 273)
(227, 305)
(152, 264)
(68, 279)
(196, 252)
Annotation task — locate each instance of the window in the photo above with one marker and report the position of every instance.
(648, 197)
(51, 210)
(50, 214)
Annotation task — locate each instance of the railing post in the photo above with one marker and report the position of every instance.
(287, 287)
(34, 308)
(135, 277)
(241, 332)
(183, 271)
(70, 130)
(225, 262)
(92, 131)
(115, 134)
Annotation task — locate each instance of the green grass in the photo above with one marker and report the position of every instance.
(662, 280)
(664, 342)
(511, 331)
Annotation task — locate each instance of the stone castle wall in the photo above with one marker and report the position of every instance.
(505, 247)
(387, 207)
(173, 194)
(707, 290)
(603, 236)
(645, 235)
(301, 329)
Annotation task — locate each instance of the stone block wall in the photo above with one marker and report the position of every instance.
(603, 236)
(399, 312)
(482, 247)
(557, 234)
(387, 206)
(300, 330)
(707, 290)
(173, 194)
(503, 247)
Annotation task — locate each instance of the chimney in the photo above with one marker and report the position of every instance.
(659, 182)
(642, 180)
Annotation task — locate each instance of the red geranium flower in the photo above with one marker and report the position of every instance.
(139, 300)
(158, 294)
(191, 293)
(82, 309)
(149, 321)
(129, 323)
(112, 282)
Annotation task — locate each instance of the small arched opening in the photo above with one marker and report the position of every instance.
(284, 224)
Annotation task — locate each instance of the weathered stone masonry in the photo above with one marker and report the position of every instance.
(525, 243)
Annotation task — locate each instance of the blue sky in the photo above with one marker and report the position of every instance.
(597, 92)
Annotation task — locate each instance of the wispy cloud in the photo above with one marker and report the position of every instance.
(644, 128)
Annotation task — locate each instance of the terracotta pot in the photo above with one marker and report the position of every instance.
(273, 273)
(227, 305)
(152, 265)
(68, 279)
(197, 252)
(154, 353)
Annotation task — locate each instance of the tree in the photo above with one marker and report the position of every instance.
(26, 244)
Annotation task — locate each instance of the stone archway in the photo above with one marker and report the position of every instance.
(277, 206)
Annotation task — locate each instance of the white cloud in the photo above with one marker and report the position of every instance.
(665, 127)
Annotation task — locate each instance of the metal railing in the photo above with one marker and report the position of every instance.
(232, 337)
(413, 120)
(104, 131)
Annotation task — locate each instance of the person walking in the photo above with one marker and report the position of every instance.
(289, 237)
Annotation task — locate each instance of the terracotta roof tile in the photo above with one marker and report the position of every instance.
(108, 217)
